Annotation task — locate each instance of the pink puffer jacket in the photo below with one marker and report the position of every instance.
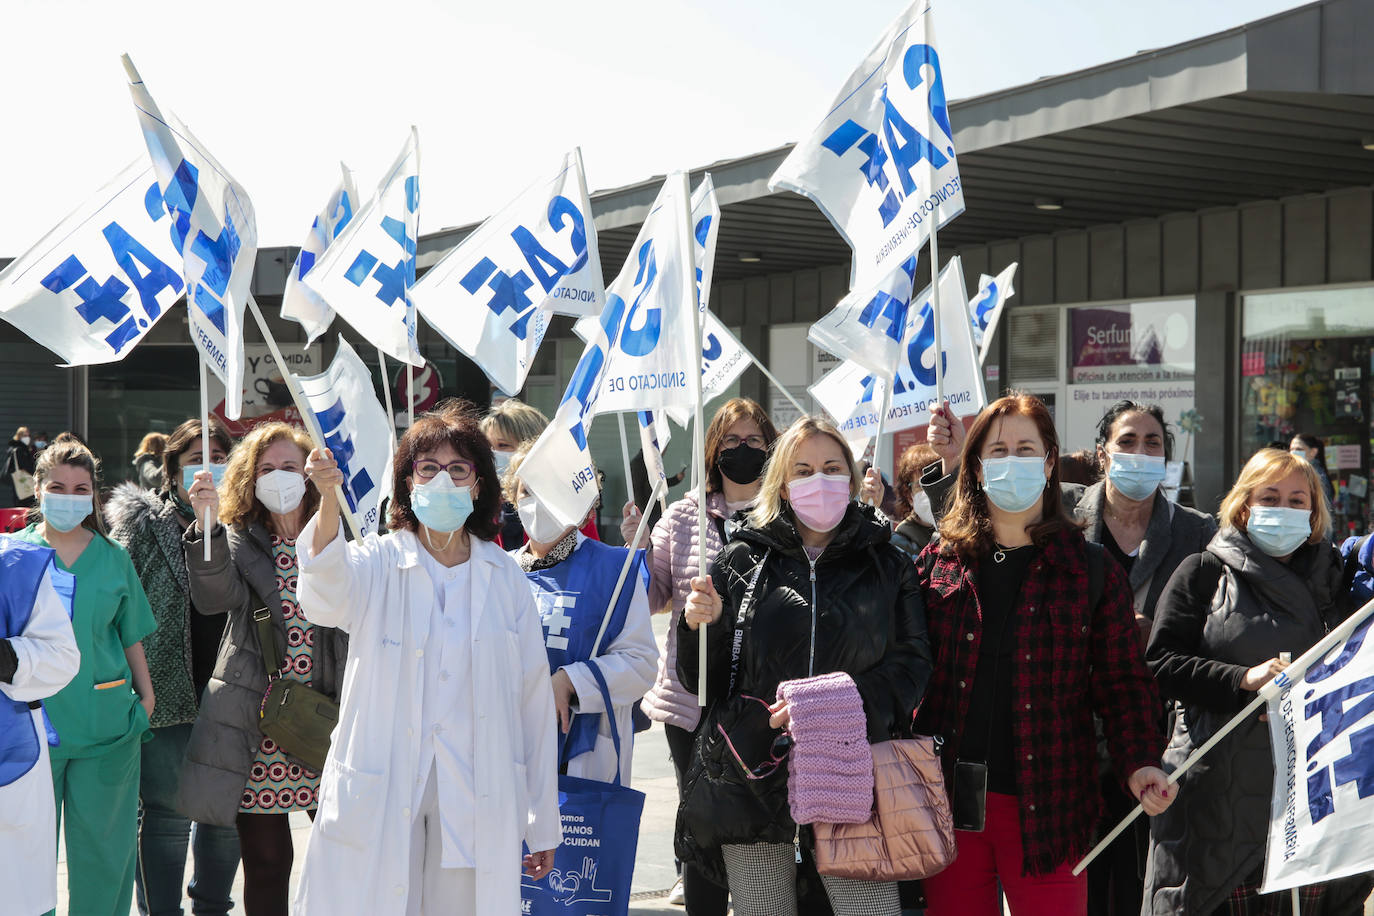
(673, 558)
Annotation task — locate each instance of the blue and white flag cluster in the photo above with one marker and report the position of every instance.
(214, 229)
(493, 295)
(881, 163)
(367, 273)
(98, 282)
(985, 311)
(299, 302)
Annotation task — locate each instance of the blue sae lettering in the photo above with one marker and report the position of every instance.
(356, 486)
(982, 306)
(582, 385)
(640, 340)
(923, 341)
(1358, 766)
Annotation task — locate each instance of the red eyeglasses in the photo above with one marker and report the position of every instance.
(777, 751)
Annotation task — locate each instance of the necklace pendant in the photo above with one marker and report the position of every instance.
(999, 555)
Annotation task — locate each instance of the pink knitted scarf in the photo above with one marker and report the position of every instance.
(830, 767)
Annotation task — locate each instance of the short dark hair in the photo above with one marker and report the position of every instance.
(184, 438)
(457, 423)
(1120, 409)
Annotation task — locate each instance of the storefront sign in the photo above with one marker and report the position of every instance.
(1343, 456)
(265, 395)
(1252, 363)
(1087, 404)
(1136, 342)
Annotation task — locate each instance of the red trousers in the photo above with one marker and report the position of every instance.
(969, 886)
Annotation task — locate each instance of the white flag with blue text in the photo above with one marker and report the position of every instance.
(1321, 729)
(558, 468)
(650, 364)
(853, 394)
(214, 228)
(98, 282)
(367, 273)
(881, 165)
(985, 311)
(355, 429)
(654, 433)
(299, 302)
(492, 296)
(867, 325)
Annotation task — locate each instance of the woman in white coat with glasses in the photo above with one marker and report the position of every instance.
(444, 759)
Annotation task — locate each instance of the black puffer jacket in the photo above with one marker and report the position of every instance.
(869, 621)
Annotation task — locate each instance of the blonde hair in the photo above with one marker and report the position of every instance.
(71, 451)
(775, 474)
(513, 419)
(152, 444)
(1265, 467)
(238, 501)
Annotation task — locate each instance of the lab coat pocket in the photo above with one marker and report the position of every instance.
(351, 804)
(21, 802)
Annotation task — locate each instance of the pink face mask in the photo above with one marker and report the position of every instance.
(819, 500)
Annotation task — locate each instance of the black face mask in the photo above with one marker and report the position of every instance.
(742, 464)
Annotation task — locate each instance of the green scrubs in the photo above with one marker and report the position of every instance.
(101, 726)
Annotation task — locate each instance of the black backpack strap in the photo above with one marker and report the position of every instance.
(742, 621)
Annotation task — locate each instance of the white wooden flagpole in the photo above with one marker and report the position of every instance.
(776, 384)
(625, 569)
(410, 395)
(386, 393)
(625, 456)
(207, 524)
(307, 415)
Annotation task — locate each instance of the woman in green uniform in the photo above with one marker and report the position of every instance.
(101, 717)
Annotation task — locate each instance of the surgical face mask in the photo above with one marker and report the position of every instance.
(439, 504)
(742, 464)
(502, 461)
(920, 507)
(24, 439)
(280, 491)
(539, 523)
(64, 511)
(1278, 530)
(1014, 483)
(1135, 476)
(1300, 452)
(820, 500)
(188, 475)
(41, 444)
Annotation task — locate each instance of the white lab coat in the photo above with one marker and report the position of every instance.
(629, 665)
(48, 659)
(358, 858)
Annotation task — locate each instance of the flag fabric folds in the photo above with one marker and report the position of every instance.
(355, 429)
(1321, 729)
(214, 228)
(367, 273)
(648, 366)
(986, 308)
(299, 302)
(654, 434)
(881, 165)
(852, 394)
(98, 282)
(493, 295)
(868, 324)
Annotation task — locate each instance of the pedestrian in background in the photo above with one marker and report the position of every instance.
(181, 655)
(445, 757)
(148, 461)
(19, 465)
(102, 715)
(737, 443)
(822, 592)
(234, 775)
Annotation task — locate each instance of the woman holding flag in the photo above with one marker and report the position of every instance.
(573, 578)
(1266, 589)
(445, 756)
(737, 445)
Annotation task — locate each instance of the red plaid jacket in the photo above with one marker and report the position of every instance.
(1071, 661)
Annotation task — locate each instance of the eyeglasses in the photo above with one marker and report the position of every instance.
(459, 471)
(777, 752)
(730, 442)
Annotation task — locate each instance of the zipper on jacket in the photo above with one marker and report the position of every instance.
(811, 661)
(796, 844)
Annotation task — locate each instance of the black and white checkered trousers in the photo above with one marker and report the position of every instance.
(763, 882)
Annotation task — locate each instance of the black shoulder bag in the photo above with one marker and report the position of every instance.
(297, 717)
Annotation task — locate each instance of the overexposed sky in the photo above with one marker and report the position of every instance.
(280, 92)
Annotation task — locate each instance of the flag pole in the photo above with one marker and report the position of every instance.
(625, 570)
(1280, 682)
(935, 308)
(689, 302)
(625, 456)
(386, 393)
(885, 406)
(410, 395)
(774, 380)
(207, 524)
(312, 427)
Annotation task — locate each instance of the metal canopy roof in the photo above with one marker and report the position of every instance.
(1271, 109)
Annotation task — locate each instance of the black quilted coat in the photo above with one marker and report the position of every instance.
(869, 621)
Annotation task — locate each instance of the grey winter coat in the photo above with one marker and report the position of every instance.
(239, 578)
(1214, 621)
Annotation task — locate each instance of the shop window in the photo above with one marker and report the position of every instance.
(1306, 359)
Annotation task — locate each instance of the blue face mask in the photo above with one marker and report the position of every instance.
(64, 511)
(1135, 476)
(1014, 483)
(439, 505)
(1278, 530)
(188, 475)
